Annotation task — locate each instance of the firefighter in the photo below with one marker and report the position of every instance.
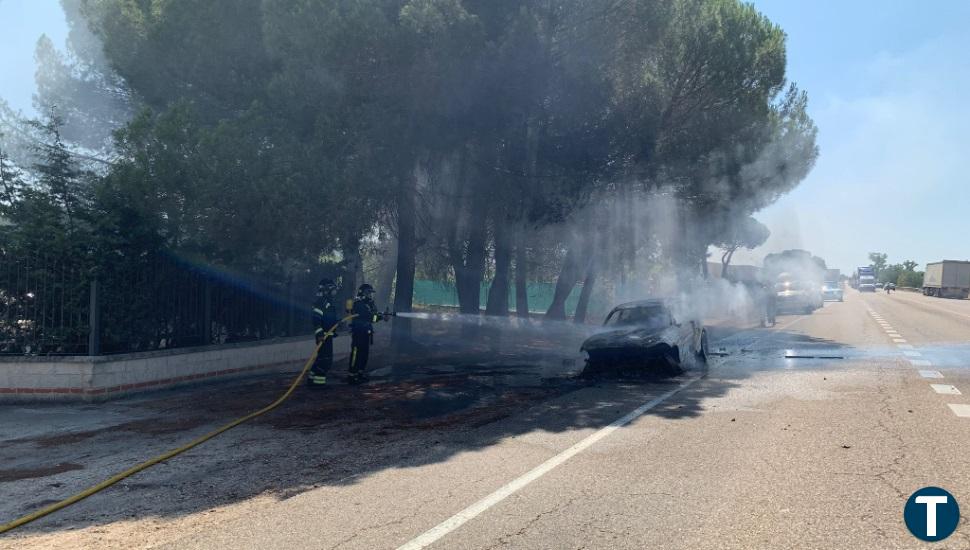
(325, 317)
(362, 332)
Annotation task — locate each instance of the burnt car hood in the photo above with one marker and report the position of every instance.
(633, 337)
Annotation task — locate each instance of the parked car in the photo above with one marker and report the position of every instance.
(645, 334)
(832, 290)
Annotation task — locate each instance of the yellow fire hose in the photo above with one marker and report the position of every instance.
(174, 452)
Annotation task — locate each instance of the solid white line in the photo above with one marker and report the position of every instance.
(959, 409)
(459, 519)
(931, 374)
(945, 389)
(790, 323)
(920, 363)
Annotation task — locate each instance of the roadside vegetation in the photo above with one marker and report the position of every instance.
(575, 142)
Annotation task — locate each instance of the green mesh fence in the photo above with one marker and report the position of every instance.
(434, 293)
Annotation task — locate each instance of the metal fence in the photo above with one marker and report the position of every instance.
(57, 307)
(44, 306)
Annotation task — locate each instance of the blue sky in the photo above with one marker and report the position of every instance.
(21, 24)
(886, 81)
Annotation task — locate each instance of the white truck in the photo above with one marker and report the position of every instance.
(947, 279)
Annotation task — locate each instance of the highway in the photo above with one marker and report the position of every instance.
(765, 452)
(811, 434)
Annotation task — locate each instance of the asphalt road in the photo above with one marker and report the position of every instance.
(811, 434)
(764, 452)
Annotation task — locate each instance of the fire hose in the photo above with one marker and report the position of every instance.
(19, 522)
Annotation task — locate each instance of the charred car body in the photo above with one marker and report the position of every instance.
(643, 334)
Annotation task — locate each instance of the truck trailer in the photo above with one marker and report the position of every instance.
(866, 277)
(947, 279)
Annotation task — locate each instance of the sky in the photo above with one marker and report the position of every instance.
(887, 84)
(886, 81)
(22, 22)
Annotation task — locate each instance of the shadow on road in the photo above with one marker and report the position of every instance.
(465, 389)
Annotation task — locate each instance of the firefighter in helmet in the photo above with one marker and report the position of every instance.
(325, 319)
(362, 332)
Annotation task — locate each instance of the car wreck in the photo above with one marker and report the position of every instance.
(645, 337)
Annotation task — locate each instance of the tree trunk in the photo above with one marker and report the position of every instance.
(498, 294)
(583, 306)
(352, 269)
(726, 261)
(469, 266)
(521, 278)
(385, 272)
(406, 250)
(568, 277)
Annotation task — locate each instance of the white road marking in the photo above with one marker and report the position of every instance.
(931, 374)
(904, 346)
(459, 519)
(960, 409)
(920, 363)
(899, 340)
(911, 353)
(790, 323)
(945, 389)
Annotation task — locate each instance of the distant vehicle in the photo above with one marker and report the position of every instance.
(796, 296)
(947, 279)
(833, 275)
(832, 290)
(879, 286)
(643, 334)
(866, 278)
(890, 286)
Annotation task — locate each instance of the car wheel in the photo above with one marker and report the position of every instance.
(702, 352)
(672, 360)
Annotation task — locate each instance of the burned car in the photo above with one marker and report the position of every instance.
(645, 334)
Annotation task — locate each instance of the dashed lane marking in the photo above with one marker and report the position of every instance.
(454, 522)
(911, 353)
(920, 363)
(960, 409)
(904, 346)
(945, 389)
(899, 340)
(931, 373)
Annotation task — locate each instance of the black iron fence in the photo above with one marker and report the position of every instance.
(44, 306)
(52, 306)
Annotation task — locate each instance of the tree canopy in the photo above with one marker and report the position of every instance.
(469, 136)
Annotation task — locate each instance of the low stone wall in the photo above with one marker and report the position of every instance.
(109, 376)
